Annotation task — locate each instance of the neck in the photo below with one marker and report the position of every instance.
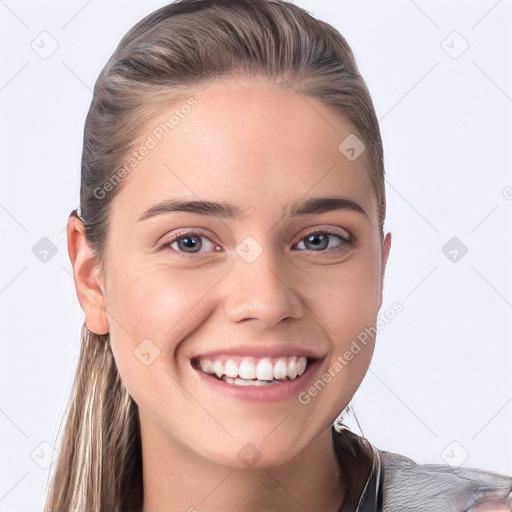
(176, 478)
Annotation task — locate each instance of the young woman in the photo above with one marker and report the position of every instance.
(228, 254)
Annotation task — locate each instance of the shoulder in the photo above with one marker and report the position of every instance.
(408, 486)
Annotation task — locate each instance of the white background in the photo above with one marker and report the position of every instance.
(442, 368)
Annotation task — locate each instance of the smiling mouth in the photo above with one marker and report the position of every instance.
(252, 371)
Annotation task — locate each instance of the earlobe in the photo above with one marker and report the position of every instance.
(386, 248)
(89, 284)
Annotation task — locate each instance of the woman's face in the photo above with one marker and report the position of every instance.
(252, 281)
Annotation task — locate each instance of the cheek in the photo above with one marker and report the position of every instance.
(343, 302)
(156, 304)
(347, 306)
(150, 312)
(140, 307)
(347, 299)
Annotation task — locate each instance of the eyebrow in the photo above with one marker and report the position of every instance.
(223, 210)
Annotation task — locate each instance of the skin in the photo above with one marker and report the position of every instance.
(251, 145)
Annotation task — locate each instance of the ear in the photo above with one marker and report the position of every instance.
(386, 247)
(89, 284)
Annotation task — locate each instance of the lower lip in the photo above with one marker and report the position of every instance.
(263, 393)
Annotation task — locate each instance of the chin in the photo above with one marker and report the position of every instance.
(254, 450)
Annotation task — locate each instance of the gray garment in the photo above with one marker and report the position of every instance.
(394, 483)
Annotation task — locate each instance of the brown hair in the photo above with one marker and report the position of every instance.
(160, 61)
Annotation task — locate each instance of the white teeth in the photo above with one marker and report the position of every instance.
(267, 370)
(231, 368)
(206, 365)
(242, 382)
(281, 368)
(301, 365)
(218, 368)
(292, 368)
(246, 369)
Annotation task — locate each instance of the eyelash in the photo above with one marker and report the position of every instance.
(187, 234)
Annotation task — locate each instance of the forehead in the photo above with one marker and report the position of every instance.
(246, 143)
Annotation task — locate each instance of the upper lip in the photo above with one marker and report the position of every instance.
(262, 351)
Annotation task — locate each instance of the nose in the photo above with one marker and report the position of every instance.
(260, 291)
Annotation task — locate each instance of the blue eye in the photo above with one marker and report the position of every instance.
(320, 240)
(188, 243)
